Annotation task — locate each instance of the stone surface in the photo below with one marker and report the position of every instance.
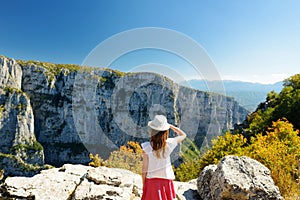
(204, 181)
(109, 183)
(233, 178)
(72, 182)
(238, 179)
(57, 183)
(104, 109)
(186, 190)
(18, 145)
(10, 73)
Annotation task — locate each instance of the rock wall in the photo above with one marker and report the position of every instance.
(74, 112)
(18, 143)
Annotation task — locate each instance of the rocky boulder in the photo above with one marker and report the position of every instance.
(75, 182)
(238, 179)
(186, 190)
(72, 182)
(233, 178)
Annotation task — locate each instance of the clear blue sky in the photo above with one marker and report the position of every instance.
(251, 40)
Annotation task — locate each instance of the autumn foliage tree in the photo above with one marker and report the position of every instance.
(279, 150)
(128, 157)
(222, 146)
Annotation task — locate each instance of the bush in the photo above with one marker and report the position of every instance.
(222, 146)
(2, 109)
(35, 146)
(1, 174)
(129, 157)
(278, 149)
(96, 160)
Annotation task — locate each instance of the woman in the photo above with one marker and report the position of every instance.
(157, 171)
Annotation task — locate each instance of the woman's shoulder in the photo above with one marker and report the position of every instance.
(146, 146)
(172, 142)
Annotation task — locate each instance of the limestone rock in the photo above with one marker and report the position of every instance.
(17, 137)
(100, 110)
(49, 184)
(107, 183)
(238, 179)
(204, 181)
(76, 182)
(10, 73)
(75, 112)
(186, 190)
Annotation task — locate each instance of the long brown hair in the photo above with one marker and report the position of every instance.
(158, 141)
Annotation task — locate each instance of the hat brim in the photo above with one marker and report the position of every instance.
(164, 128)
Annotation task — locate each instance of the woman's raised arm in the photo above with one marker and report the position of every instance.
(181, 134)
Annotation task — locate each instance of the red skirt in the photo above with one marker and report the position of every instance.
(158, 189)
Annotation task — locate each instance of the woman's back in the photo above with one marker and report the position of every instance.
(157, 171)
(160, 167)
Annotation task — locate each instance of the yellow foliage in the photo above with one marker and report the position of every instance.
(222, 146)
(279, 150)
(96, 160)
(129, 157)
(1, 174)
(228, 144)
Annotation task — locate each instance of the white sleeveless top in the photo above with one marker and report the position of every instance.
(160, 167)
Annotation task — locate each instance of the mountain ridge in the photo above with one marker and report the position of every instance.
(248, 94)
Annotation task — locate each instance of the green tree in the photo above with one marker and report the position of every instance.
(289, 101)
(285, 104)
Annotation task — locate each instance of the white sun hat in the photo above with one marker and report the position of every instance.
(159, 123)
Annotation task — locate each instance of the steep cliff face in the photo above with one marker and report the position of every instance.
(17, 139)
(82, 110)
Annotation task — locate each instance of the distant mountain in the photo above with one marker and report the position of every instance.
(247, 94)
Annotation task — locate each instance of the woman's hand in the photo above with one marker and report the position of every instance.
(179, 132)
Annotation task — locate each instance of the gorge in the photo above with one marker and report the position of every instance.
(56, 114)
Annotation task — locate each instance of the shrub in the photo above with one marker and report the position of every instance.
(9, 90)
(2, 109)
(285, 104)
(188, 170)
(128, 157)
(35, 146)
(189, 150)
(1, 174)
(222, 146)
(96, 160)
(279, 150)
